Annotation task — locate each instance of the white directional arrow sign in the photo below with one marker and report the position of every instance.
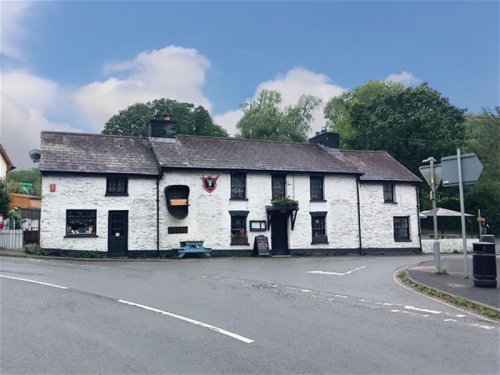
(471, 169)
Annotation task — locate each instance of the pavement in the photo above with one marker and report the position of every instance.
(454, 282)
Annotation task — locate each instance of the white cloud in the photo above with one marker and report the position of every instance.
(406, 78)
(171, 72)
(13, 16)
(295, 83)
(21, 127)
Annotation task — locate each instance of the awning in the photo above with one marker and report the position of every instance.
(440, 212)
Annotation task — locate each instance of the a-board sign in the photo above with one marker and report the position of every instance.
(261, 244)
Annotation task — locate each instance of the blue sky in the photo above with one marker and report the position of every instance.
(71, 65)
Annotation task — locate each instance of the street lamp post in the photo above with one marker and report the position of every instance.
(436, 247)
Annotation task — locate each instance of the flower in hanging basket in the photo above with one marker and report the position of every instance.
(285, 202)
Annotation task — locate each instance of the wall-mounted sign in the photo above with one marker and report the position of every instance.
(209, 183)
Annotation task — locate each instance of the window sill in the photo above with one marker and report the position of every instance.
(391, 202)
(238, 199)
(239, 244)
(318, 200)
(402, 240)
(116, 195)
(80, 235)
(319, 240)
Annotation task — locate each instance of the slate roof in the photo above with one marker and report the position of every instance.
(379, 166)
(242, 154)
(96, 153)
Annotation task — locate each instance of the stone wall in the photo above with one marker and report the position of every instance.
(88, 193)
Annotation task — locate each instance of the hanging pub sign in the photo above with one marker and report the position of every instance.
(209, 183)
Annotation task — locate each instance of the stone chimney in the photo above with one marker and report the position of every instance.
(161, 127)
(328, 140)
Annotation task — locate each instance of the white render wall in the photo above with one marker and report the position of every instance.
(3, 168)
(377, 222)
(209, 219)
(79, 192)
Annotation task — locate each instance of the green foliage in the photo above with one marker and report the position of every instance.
(31, 176)
(484, 140)
(263, 119)
(410, 123)
(192, 120)
(4, 199)
(285, 201)
(15, 217)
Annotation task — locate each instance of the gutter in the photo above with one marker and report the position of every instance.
(417, 192)
(361, 252)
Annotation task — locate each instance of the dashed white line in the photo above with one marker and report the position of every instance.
(422, 310)
(192, 321)
(34, 282)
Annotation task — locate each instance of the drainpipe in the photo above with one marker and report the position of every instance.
(158, 216)
(361, 252)
(417, 190)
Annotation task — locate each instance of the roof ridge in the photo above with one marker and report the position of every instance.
(94, 134)
(243, 139)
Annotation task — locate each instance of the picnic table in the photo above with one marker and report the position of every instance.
(192, 247)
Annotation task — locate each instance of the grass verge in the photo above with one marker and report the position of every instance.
(454, 300)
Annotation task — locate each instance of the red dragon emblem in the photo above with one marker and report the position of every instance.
(209, 183)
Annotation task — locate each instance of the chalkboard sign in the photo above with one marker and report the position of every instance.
(261, 245)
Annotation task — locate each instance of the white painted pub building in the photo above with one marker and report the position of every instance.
(130, 196)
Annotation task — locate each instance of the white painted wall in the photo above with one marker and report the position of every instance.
(377, 217)
(3, 168)
(77, 192)
(209, 217)
(448, 245)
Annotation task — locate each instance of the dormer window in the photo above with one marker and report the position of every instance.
(117, 186)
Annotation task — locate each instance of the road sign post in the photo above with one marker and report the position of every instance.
(460, 170)
(432, 175)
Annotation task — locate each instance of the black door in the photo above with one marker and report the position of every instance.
(118, 233)
(279, 234)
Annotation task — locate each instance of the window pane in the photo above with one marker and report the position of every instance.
(238, 225)
(316, 188)
(116, 185)
(80, 221)
(238, 186)
(278, 186)
(388, 193)
(401, 229)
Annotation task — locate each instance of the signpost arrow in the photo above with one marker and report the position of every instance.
(471, 169)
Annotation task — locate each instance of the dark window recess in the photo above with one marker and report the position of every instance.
(239, 227)
(317, 188)
(81, 222)
(318, 227)
(388, 192)
(117, 185)
(177, 200)
(238, 186)
(278, 183)
(177, 230)
(401, 228)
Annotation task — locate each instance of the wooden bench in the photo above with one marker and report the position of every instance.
(192, 247)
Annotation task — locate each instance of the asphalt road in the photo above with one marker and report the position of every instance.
(232, 315)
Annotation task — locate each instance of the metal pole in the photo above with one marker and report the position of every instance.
(437, 251)
(462, 211)
(479, 223)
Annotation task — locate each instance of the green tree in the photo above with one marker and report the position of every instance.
(263, 118)
(410, 123)
(191, 120)
(484, 140)
(4, 199)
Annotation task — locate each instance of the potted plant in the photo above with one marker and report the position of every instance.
(285, 202)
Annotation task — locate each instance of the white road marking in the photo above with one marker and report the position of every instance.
(332, 273)
(34, 282)
(451, 320)
(422, 310)
(305, 290)
(189, 320)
